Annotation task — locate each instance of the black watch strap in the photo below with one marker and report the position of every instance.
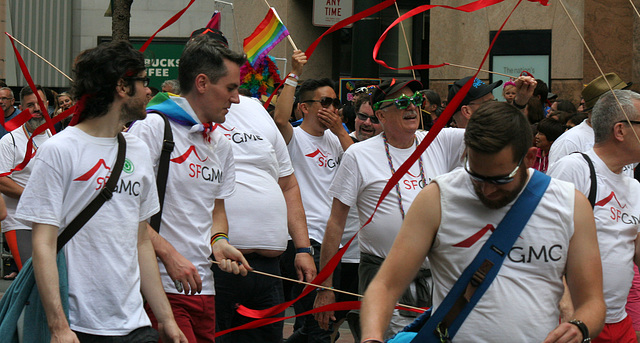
(583, 329)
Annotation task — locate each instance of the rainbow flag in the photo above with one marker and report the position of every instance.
(265, 37)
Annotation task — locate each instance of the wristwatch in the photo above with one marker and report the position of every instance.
(583, 328)
(308, 250)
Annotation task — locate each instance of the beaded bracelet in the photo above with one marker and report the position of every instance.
(218, 236)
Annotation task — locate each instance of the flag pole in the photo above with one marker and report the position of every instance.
(289, 35)
(406, 42)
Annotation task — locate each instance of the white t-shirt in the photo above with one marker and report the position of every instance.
(199, 173)
(13, 149)
(521, 304)
(579, 138)
(365, 171)
(315, 160)
(102, 258)
(617, 216)
(257, 211)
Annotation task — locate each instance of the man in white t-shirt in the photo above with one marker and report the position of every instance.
(201, 175)
(265, 206)
(617, 201)
(365, 169)
(13, 149)
(580, 138)
(110, 260)
(452, 218)
(315, 148)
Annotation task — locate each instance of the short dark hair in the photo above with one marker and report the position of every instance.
(567, 106)
(432, 96)
(551, 128)
(542, 90)
(360, 100)
(496, 125)
(26, 90)
(97, 72)
(308, 88)
(205, 55)
(535, 112)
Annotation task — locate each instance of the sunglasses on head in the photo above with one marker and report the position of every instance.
(364, 117)
(326, 101)
(496, 180)
(401, 102)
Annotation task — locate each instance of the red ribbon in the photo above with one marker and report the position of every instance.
(395, 178)
(27, 76)
(165, 25)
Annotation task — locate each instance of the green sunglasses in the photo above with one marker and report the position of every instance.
(402, 102)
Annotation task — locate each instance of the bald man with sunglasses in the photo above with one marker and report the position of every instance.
(365, 170)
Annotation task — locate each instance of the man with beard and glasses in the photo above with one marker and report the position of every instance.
(110, 261)
(452, 218)
(366, 123)
(13, 149)
(201, 176)
(365, 170)
(616, 202)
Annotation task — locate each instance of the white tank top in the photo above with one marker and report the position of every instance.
(521, 305)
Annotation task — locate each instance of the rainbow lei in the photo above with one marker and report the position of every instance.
(261, 80)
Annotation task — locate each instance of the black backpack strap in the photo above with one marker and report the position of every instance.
(594, 182)
(163, 170)
(105, 194)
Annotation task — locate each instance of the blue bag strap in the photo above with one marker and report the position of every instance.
(477, 277)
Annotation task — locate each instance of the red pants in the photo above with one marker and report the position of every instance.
(195, 315)
(621, 332)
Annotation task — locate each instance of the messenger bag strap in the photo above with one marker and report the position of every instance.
(477, 277)
(163, 170)
(594, 182)
(105, 194)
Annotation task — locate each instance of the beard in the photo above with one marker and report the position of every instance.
(506, 196)
(134, 109)
(36, 122)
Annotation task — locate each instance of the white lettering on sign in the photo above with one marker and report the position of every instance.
(160, 66)
(328, 12)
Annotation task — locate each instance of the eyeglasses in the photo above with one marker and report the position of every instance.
(326, 101)
(364, 117)
(496, 180)
(401, 102)
(145, 80)
(5, 99)
(630, 121)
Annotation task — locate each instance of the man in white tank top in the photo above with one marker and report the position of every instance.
(616, 203)
(451, 219)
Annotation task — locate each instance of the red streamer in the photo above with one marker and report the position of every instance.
(395, 178)
(165, 25)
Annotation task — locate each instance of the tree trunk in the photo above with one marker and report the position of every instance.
(121, 16)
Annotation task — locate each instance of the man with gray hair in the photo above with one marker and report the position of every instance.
(6, 102)
(171, 86)
(616, 201)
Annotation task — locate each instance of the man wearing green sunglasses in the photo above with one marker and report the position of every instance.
(366, 168)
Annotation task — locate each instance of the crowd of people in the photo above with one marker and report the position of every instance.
(214, 186)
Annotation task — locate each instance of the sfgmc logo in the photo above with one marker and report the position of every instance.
(323, 160)
(414, 183)
(616, 209)
(102, 180)
(196, 169)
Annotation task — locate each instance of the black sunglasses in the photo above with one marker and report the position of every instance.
(145, 80)
(629, 121)
(496, 180)
(364, 117)
(326, 101)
